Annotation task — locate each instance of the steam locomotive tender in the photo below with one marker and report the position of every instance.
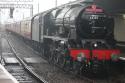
(76, 36)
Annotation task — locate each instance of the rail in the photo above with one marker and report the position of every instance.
(35, 75)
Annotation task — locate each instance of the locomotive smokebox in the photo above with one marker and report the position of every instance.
(94, 22)
(87, 21)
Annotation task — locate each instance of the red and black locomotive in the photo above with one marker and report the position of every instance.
(77, 36)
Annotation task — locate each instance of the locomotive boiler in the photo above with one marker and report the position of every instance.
(77, 36)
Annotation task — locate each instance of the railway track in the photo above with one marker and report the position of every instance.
(116, 79)
(18, 68)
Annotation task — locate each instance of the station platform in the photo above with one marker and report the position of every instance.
(5, 76)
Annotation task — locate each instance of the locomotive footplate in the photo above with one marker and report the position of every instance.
(34, 60)
(122, 60)
(11, 60)
(122, 57)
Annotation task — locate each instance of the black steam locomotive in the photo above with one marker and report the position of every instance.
(77, 36)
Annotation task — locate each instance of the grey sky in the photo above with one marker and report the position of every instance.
(47, 4)
(23, 13)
